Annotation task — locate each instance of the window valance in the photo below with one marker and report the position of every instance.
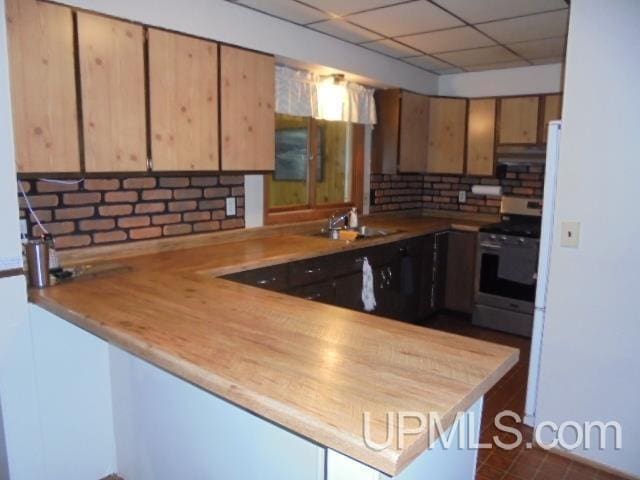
(305, 94)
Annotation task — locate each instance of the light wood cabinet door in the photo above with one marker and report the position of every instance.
(384, 141)
(414, 128)
(183, 94)
(447, 130)
(247, 115)
(519, 120)
(552, 111)
(481, 134)
(43, 86)
(113, 96)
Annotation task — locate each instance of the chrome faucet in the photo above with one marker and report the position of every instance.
(334, 219)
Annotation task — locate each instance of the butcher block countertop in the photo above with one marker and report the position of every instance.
(310, 367)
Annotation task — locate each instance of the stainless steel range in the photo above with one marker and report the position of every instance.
(506, 268)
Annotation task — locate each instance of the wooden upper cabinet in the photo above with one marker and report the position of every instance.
(447, 130)
(519, 120)
(552, 111)
(247, 115)
(113, 97)
(481, 134)
(384, 140)
(413, 137)
(183, 91)
(43, 87)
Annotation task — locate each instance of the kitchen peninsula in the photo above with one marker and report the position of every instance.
(251, 383)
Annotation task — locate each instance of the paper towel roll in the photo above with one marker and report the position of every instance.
(490, 190)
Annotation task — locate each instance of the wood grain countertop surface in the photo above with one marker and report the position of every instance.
(310, 367)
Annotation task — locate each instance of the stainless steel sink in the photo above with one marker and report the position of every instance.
(363, 231)
(368, 232)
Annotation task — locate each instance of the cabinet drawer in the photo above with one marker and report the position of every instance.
(310, 271)
(324, 292)
(319, 269)
(377, 256)
(271, 278)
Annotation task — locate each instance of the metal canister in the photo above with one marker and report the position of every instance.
(38, 263)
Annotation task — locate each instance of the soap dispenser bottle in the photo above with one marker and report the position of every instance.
(353, 218)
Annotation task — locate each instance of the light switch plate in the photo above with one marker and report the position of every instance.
(231, 206)
(462, 196)
(570, 236)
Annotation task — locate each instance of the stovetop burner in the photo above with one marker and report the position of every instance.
(520, 226)
(518, 229)
(520, 217)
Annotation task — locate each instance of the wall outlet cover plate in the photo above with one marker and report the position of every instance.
(570, 235)
(231, 206)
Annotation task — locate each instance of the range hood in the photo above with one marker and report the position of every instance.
(521, 154)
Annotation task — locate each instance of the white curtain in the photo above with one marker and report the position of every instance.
(362, 106)
(296, 92)
(303, 94)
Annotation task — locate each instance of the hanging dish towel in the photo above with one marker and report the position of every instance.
(368, 295)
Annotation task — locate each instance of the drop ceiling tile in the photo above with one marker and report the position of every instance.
(460, 38)
(549, 47)
(547, 61)
(342, 7)
(391, 48)
(448, 71)
(287, 9)
(476, 11)
(345, 31)
(496, 66)
(478, 56)
(430, 63)
(405, 19)
(532, 27)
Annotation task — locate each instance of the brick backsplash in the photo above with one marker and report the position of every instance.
(440, 192)
(100, 211)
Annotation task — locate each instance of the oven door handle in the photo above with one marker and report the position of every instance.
(492, 246)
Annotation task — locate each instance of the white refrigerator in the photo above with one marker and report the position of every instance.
(544, 263)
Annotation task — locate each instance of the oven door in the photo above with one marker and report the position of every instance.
(505, 274)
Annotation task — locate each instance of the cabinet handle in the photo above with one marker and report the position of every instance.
(312, 270)
(313, 296)
(266, 281)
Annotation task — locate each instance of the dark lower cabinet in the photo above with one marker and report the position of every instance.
(441, 247)
(271, 278)
(412, 278)
(426, 304)
(324, 292)
(386, 290)
(460, 276)
(349, 291)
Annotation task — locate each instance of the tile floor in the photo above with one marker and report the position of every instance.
(509, 394)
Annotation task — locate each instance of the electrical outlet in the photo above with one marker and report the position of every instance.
(23, 228)
(462, 196)
(570, 236)
(231, 206)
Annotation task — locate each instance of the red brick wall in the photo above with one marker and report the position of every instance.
(440, 192)
(107, 210)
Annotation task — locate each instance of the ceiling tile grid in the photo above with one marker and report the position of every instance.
(439, 36)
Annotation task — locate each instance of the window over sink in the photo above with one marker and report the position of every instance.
(318, 169)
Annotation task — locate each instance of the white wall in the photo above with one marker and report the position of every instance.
(73, 387)
(18, 399)
(508, 81)
(20, 437)
(253, 201)
(590, 363)
(10, 249)
(237, 25)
